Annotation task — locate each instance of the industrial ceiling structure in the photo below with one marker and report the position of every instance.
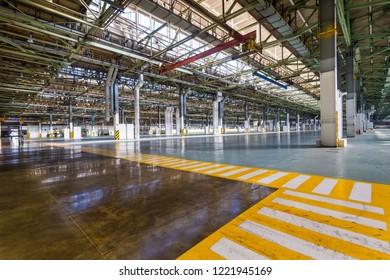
(260, 54)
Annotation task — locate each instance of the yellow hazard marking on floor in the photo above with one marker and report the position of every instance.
(342, 188)
(277, 231)
(308, 217)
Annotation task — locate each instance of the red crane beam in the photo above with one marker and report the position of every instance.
(218, 48)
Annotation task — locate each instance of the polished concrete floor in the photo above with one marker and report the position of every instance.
(115, 200)
(60, 203)
(366, 158)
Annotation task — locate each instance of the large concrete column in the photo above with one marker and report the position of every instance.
(178, 121)
(265, 119)
(169, 121)
(259, 124)
(277, 124)
(246, 118)
(351, 93)
(40, 129)
(182, 109)
(217, 99)
(297, 123)
(330, 133)
(70, 120)
(93, 124)
(108, 92)
(136, 106)
(115, 108)
(159, 121)
(51, 121)
(287, 114)
(123, 115)
(221, 108)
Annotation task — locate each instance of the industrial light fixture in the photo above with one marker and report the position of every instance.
(30, 40)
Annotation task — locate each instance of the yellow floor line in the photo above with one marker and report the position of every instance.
(333, 245)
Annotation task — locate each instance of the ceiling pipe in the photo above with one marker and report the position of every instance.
(54, 11)
(218, 48)
(269, 80)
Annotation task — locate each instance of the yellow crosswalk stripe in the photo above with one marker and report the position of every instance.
(325, 218)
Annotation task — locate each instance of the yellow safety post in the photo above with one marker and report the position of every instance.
(116, 134)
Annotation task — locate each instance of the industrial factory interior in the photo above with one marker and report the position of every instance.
(195, 129)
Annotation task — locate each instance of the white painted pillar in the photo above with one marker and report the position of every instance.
(330, 114)
(136, 107)
(351, 93)
(169, 121)
(40, 129)
(178, 121)
(288, 121)
(215, 117)
(217, 99)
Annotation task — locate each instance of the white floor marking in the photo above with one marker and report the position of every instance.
(361, 192)
(332, 213)
(227, 174)
(175, 162)
(272, 177)
(252, 174)
(291, 242)
(207, 167)
(219, 169)
(166, 161)
(233, 251)
(183, 164)
(339, 233)
(296, 182)
(326, 186)
(338, 202)
(196, 165)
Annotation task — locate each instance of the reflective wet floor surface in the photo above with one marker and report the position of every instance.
(196, 198)
(61, 203)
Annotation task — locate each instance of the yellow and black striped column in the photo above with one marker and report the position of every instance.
(116, 134)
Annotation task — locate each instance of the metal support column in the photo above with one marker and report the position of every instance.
(221, 114)
(70, 120)
(182, 109)
(297, 125)
(329, 101)
(246, 118)
(93, 124)
(265, 119)
(169, 121)
(115, 108)
(136, 107)
(51, 121)
(178, 120)
(351, 93)
(123, 115)
(277, 124)
(287, 114)
(40, 129)
(159, 121)
(217, 99)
